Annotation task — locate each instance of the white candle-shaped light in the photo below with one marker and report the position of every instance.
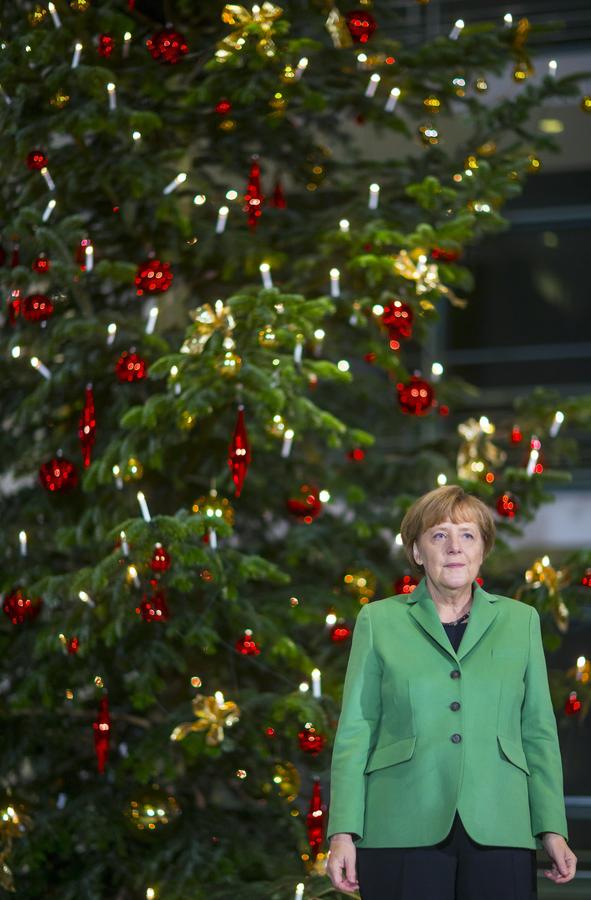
(7, 99)
(213, 539)
(301, 68)
(362, 61)
(581, 663)
(48, 179)
(85, 598)
(178, 179)
(344, 226)
(111, 333)
(222, 219)
(335, 284)
(43, 370)
(372, 84)
(124, 544)
(374, 196)
(556, 423)
(552, 67)
(436, 371)
(76, 55)
(136, 136)
(152, 318)
(126, 44)
(48, 210)
(508, 20)
(318, 338)
(457, 29)
(117, 476)
(330, 620)
(297, 350)
(392, 99)
(534, 453)
(316, 689)
(287, 442)
(143, 506)
(299, 892)
(22, 538)
(265, 270)
(132, 573)
(54, 15)
(89, 256)
(112, 93)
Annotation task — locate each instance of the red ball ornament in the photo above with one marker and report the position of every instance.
(59, 474)
(106, 45)
(72, 645)
(516, 435)
(357, 454)
(153, 276)
(340, 632)
(19, 608)
(586, 579)
(154, 608)
(416, 397)
(167, 46)
(130, 367)
(306, 505)
(507, 505)
(246, 645)
(444, 255)
(405, 585)
(160, 561)
(41, 265)
(572, 707)
(223, 107)
(102, 734)
(311, 741)
(361, 25)
(398, 318)
(36, 159)
(37, 308)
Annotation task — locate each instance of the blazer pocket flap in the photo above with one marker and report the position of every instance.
(391, 753)
(514, 752)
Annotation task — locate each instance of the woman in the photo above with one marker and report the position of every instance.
(446, 771)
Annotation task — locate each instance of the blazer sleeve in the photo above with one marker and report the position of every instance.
(540, 742)
(356, 733)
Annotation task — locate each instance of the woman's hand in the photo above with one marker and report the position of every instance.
(563, 858)
(342, 854)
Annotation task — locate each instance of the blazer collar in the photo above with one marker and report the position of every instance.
(482, 615)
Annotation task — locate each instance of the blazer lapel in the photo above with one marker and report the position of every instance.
(424, 611)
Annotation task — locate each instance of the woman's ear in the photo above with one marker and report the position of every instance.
(416, 554)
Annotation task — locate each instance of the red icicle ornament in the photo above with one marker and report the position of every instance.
(278, 199)
(253, 197)
(239, 455)
(102, 734)
(87, 426)
(315, 820)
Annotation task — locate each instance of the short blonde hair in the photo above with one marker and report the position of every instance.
(449, 502)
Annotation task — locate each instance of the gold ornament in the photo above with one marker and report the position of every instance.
(428, 134)
(489, 148)
(288, 75)
(336, 26)
(287, 781)
(133, 470)
(361, 583)
(477, 454)
(522, 70)
(267, 337)
(208, 319)
(229, 365)
(79, 5)
(14, 823)
(59, 99)
(37, 15)
(214, 508)
(213, 714)
(227, 125)
(425, 275)
(534, 164)
(543, 574)
(278, 102)
(471, 162)
(432, 103)
(187, 420)
(586, 104)
(153, 809)
(260, 22)
(481, 84)
(276, 427)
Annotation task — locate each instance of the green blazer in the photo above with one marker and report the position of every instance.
(424, 730)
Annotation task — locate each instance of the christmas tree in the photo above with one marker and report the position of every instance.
(218, 402)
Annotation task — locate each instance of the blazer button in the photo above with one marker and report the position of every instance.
(456, 738)
(455, 673)
(455, 705)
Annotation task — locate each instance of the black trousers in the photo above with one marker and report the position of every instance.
(457, 868)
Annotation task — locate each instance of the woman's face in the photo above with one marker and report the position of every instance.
(451, 553)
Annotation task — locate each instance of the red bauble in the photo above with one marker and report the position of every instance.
(516, 435)
(36, 159)
(102, 734)
(572, 707)
(416, 397)
(311, 741)
(167, 46)
(405, 585)
(586, 579)
(307, 506)
(160, 561)
(398, 318)
(507, 505)
(246, 645)
(72, 645)
(239, 453)
(41, 265)
(444, 255)
(130, 367)
(315, 820)
(19, 608)
(154, 608)
(254, 196)
(37, 308)
(59, 474)
(223, 107)
(87, 426)
(340, 632)
(106, 45)
(357, 454)
(153, 276)
(361, 25)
